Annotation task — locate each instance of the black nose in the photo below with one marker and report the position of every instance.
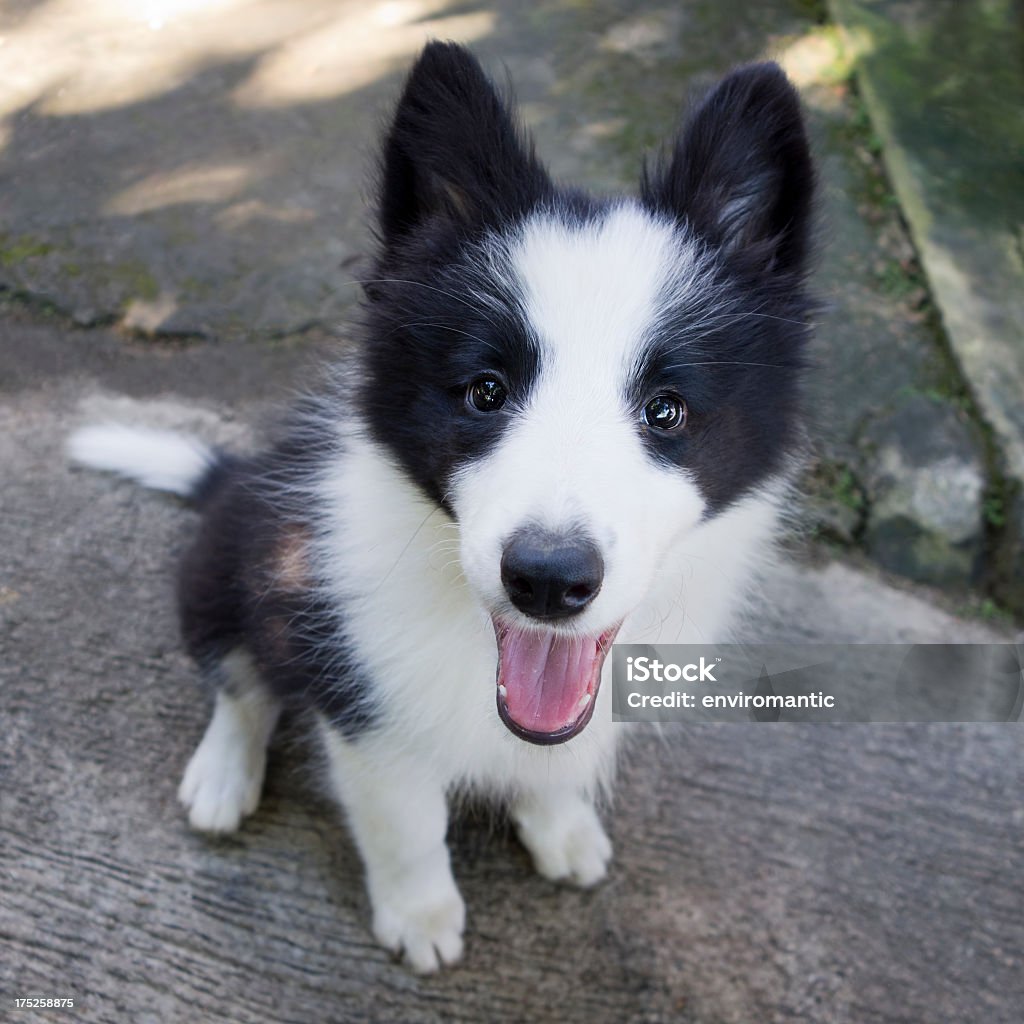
(550, 575)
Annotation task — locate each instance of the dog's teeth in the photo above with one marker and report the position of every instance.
(502, 690)
(584, 700)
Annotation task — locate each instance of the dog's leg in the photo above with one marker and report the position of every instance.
(224, 778)
(399, 816)
(564, 835)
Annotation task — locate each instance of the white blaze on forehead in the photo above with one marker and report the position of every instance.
(573, 455)
(592, 290)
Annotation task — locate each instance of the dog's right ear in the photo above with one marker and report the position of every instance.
(454, 150)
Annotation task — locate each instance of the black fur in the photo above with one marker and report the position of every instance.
(740, 178)
(454, 152)
(742, 386)
(740, 174)
(249, 579)
(455, 166)
(431, 338)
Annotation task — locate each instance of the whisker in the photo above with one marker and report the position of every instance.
(478, 306)
(721, 362)
(447, 327)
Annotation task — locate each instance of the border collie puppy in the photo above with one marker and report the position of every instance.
(568, 420)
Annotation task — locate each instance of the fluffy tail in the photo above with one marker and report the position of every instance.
(160, 459)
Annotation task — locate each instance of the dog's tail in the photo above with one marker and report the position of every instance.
(159, 459)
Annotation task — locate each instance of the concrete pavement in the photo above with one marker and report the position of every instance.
(764, 873)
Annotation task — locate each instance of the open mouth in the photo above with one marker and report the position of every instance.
(547, 683)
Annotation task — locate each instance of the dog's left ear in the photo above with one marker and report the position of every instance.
(740, 173)
(454, 150)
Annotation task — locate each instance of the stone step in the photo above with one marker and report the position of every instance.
(944, 85)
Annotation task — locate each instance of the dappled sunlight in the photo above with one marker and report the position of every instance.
(67, 57)
(822, 56)
(354, 50)
(159, 13)
(607, 128)
(196, 166)
(239, 214)
(148, 315)
(642, 33)
(193, 184)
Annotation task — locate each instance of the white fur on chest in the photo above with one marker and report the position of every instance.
(391, 558)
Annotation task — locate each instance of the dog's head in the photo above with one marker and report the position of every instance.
(579, 382)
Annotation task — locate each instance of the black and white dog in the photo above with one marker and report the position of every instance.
(569, 420)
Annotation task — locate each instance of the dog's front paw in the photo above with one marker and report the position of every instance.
(422, 918)
(565, 839)
(221, 786)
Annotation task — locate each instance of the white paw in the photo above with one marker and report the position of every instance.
(423, 921)
(222, 785)
(566, 840)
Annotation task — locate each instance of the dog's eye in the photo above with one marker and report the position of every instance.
(487, 394)
(665, 412)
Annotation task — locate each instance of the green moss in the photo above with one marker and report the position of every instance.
(16, 249)
(955, 90)
(897, 280)
(848, 492)
(990, 610)
(812, 10)
(949, 390)
(994, 510)
(23, 302)
(987, 610)
(196, 288)
(856, 138)
(837, 482)
(136, 280)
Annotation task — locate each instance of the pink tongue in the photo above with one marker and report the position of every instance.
(545, 677)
